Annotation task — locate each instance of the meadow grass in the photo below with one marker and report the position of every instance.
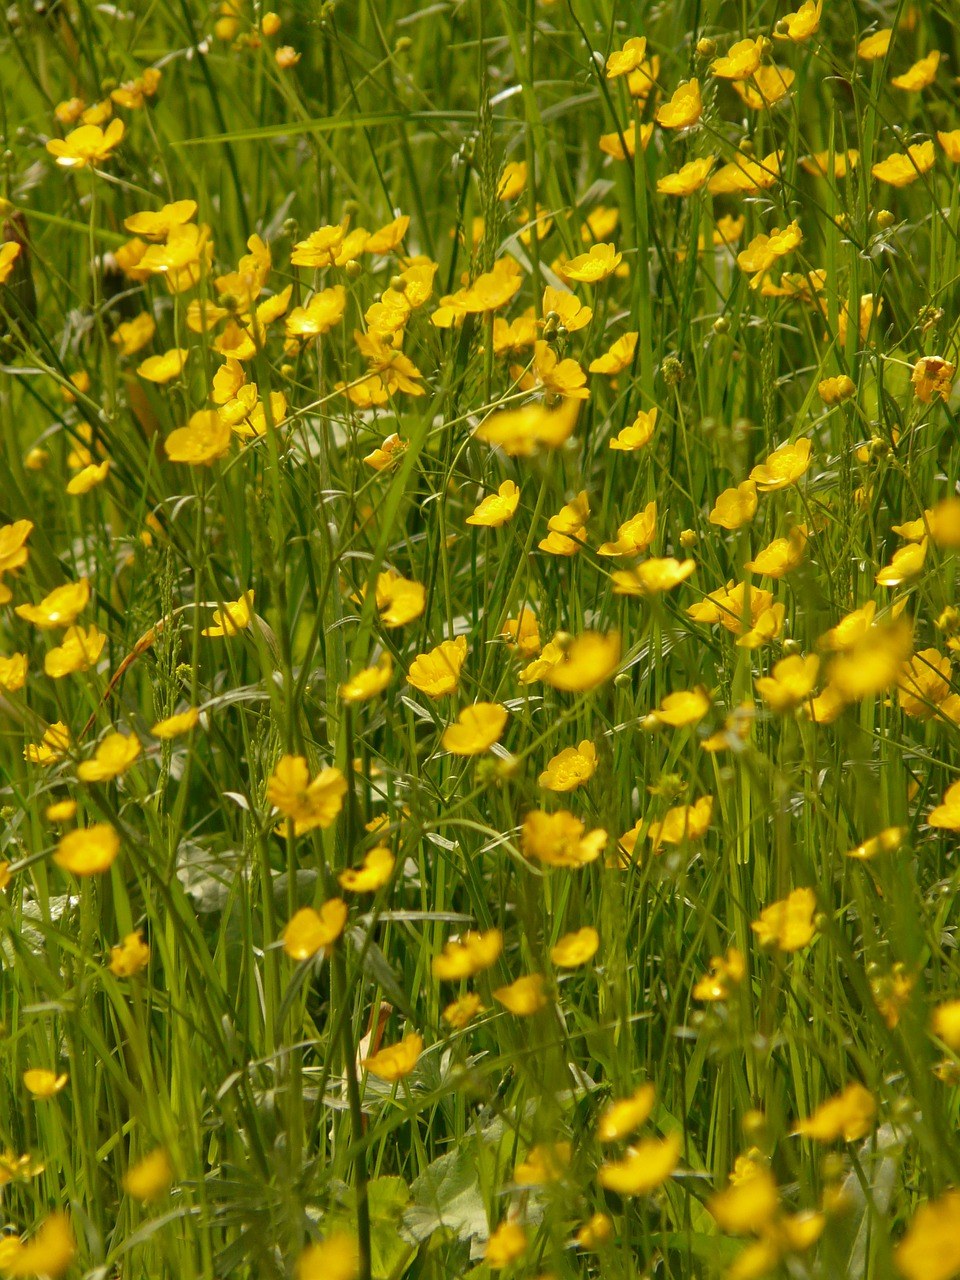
(616, 936)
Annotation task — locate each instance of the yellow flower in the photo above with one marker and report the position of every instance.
(559, 839)
(204, 439)
(48, 1254)
(627, 59)
(88, 478)
(130, 956)
(87, 145)
(522, 633)
(59, 609)
(638, 434)
(335, 1258)
(946, 815)
(924, 683)
(575, 949)
(513, 179)
(740, 61)
(788, 924)
(324, 310)
(570, 769)
(568, 308)
(233, 618)
(596, 1231)
(378, 864)
(567, 528)
(88, 850)
(13, 672)
(463, 957)
(644, 1168)
(9, 252)
(871, 663)
(683, 110)
(683, 707)
(437, 673)
(783, 467)
(848, 1116)
(559, 377)
(175, 725)
(399, 600)
(475, 730)
(612, 144)
(55, 742)
(60, 811)
(790, 684)
(907, 563)
(114, 755)
(310, 803)
(164, 368)
(945, 1023)
(389, 237)
(950, 141)
(902, 168)
(156, 224)
(920, 76)
(768, 86)
(819, 163)
(835, 390)
(885, 842)
(396, 1060)
(369, 682)
(802, 24)
(13, 549)
(623, 1117)
(634, 535)
(588, 661)
(523, 997)
(873, 48)
(781, 556)
(520, 432)
(930, 1249)
(745, 176)
(498, 508)
(652, 576)
(506, 1244)
(685, 822)
(725, 972)
(618, 358)
(748, 1203)
(320, 248)
(150, 1178)
(597, 264)
(932, 376)
(688, 179)
(735, 507)
(308, 930)
(764, 251)
(463, 1010)
(546, 1162)
(41, 1083)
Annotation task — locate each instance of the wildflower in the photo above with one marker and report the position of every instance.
(652, 576)
(569, 310)
(885, 842)
(764, 251)
(930, 1249)
(740, 62)
(902, 168)
(513, 180)
(871, 663)
(595, 1232)
(437, 673)
(546, 1162)
(597, 264)
(802, 24)
(165, 368)
(506, 1244)
(130, 956)
(950, 141)
(335, 1258)
(907, 563)
(570, 769)
(618, 358)
(781, 556)
(369, 682)
(88, 478)
(475, 730)
(87, 145)
(683, 109)
(233, 618)
(946, 815)
(559, 839)
(683, 707)
(323, 311)
(522, 633)
(395, 1061)
(390, 237)
(932, 377)
(874, 47)
(13, 672)
(835, 390)
(588, 661)
(945, 1023)
(498, 508)
(848, 1116)
(43, 1084)
(308, 930)
(156, 224)
(688, 179)
(634, 535)
(790, 684)
(783, 467)
(788, 924)
(622, 144)
(819, 164)
(519, 432)
(309, 803)
(623, 1117)
(176, 725)
(49, 1253)
(559, 377)
(644, 1168)
(627, 59)
(523, 997)
(58, 609)
(725, 972)
(920, 76)
(767, 87)
(924, 682)
(10, 250)
(88, 850)
(320, 248)
(575, 949)
(735, 507)
(204, 439)
(378, 864)
(150, 1178)
(466, 956)
(463, 1010)
(60, 811)
(55, 742)
(399, 600)
(943, 521)
(685, 822)
(638, 434)
(745, 176)
(113, 756)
